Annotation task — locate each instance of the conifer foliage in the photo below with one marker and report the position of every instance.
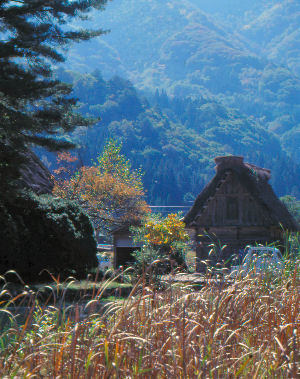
(39, 232)
(35, 107)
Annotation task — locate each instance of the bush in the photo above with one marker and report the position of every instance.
(42, 232)
(164, 241)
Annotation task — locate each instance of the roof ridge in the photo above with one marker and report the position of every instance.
(256, 180)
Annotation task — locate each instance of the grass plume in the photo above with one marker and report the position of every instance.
(249, 327)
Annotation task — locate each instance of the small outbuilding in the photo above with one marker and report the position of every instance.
(124, 245)
(237, 208)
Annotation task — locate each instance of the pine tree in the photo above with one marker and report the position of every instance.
(34, 106)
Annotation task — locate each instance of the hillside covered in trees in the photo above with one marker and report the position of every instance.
(244, 56)
(173, 140)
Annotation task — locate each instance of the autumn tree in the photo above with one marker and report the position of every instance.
(163, 240)
(110, 191)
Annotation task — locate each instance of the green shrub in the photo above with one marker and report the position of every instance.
(163, 243)
(45, 233)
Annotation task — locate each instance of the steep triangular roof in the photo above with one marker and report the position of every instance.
(35, 175)
(255, 179)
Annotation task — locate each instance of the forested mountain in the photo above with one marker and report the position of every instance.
(275, 32)
(219, 78)
(173, 140)
(244, 54)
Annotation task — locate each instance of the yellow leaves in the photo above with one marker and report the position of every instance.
(110, 191)
(112, 162)
(166, 231)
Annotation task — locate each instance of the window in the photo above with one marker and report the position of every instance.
(232, 212)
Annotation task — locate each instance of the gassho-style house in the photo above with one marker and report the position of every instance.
(237, 208)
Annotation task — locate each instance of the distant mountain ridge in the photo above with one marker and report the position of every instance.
(276, 33)
(242, 59)
(244, 53)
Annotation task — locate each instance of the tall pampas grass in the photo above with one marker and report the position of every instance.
(240, 328)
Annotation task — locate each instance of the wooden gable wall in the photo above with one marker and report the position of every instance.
(232, 205)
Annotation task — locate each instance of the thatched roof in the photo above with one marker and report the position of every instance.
(26, 167)
(255, 180)
(34, 175)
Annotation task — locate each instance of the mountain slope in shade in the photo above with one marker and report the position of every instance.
(138, 29)
(243, 56)
(174, 140)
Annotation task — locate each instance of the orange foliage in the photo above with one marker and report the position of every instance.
(66, 159)
(111, 195)
(66, 156)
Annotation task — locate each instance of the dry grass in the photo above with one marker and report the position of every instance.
(250, 328)
(190, 259)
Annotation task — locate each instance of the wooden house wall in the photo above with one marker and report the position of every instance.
(231, 218)
(232, 205)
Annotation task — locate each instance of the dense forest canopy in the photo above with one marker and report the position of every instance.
(173, 139)
(244, 55)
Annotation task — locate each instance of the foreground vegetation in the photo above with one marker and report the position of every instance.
(250, 327)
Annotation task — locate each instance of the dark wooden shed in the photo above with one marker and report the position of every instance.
(237, 208)
(124, 245)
